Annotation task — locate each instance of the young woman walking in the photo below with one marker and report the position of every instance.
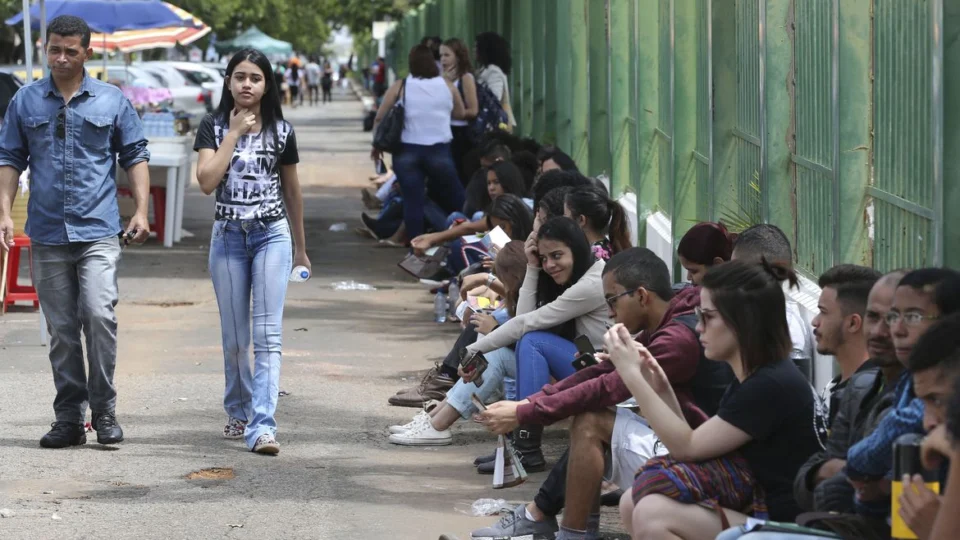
(248, 156)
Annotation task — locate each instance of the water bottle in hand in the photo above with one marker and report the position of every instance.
(440, 307)
(300, 274)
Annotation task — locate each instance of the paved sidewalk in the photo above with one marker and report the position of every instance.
(344, 354)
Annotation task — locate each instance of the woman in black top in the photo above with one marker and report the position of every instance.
(248, 156)
(768, 413)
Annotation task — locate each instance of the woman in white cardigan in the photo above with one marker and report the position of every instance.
(561, 298)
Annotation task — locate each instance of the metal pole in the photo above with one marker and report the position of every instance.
(43, 35)
(27, 41)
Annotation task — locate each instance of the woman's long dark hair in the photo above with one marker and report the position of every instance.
(513, 210)
(510, 178)
(494, 50)
(566, 231)
(271, 113)
(604, 215)
(749, 297)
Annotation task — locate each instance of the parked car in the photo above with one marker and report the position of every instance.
(206, 77)
(188, 96)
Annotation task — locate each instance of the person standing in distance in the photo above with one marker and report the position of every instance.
(248, 155)
(71, 129)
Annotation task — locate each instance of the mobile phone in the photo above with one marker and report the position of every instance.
(586, 350)
(476, 363)
(478, 403)
(379, 167)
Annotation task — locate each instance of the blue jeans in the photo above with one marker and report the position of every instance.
(251, 258)
(391, 216)
(77, 286)
(413, 165)
(539, 355)
(501, 363)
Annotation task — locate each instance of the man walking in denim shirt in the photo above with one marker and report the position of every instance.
(71, 129)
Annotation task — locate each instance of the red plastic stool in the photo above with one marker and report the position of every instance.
(159, 196)
(15, 292)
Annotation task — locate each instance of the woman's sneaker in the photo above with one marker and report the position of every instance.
(234, 429)
(266, 444)
(421, 417)
(423, 434)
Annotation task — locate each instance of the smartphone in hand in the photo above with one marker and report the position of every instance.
(379, 167)
(586, 350)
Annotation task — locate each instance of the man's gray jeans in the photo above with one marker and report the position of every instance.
(77, 286)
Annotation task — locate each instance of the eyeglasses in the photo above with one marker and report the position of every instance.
(61, 129)
(699, 311)
(910, 318)
(613, 299)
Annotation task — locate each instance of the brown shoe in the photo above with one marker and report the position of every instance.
(434, 386)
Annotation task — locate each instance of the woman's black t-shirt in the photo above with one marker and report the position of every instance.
(250, 188)
(778, 408)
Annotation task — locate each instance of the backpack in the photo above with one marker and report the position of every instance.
(712, 378)
(490, 114)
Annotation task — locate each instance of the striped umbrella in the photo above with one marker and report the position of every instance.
(126, 41)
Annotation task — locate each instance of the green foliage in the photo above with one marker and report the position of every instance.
(743, 216)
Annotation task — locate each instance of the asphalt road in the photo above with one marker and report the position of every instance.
(345, 352)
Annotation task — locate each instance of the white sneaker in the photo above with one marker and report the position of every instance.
(421, 416)
(423, 434)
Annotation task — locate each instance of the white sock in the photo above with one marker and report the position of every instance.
(529, 515)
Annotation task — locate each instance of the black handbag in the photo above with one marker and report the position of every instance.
(386, 138)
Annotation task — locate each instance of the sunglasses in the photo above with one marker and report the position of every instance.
(61, 129)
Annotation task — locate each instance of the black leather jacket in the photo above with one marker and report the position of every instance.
(860, 393)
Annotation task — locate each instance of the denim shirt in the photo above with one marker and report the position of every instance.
(73, 167)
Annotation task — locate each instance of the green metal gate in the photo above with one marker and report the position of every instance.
(908, 174)
(816, 119)
(749, 130)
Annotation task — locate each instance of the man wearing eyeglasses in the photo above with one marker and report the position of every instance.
(921, 298)
(71, 130)
(637, 289)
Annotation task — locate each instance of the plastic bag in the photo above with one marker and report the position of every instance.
(482, 507)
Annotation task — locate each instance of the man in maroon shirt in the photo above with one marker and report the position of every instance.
(636, 284)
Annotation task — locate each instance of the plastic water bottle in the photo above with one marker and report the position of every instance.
(454, 292)
(300, 274)
(440, 307)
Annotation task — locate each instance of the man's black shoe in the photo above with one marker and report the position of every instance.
(64, 434)
(108, 430)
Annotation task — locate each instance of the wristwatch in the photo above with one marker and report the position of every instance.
(490, 279)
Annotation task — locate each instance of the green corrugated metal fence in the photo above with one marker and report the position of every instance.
(824, 117)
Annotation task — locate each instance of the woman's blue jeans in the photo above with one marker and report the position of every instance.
(501, 364)
(541, 355)
(251, 259)
(421, 169)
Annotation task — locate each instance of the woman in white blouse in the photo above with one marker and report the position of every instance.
(493, 56)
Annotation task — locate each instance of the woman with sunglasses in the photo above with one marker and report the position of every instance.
(764, 430)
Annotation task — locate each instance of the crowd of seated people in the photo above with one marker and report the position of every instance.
(699, 412)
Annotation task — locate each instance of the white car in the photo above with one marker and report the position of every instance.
(188, 96)
(209, 78)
